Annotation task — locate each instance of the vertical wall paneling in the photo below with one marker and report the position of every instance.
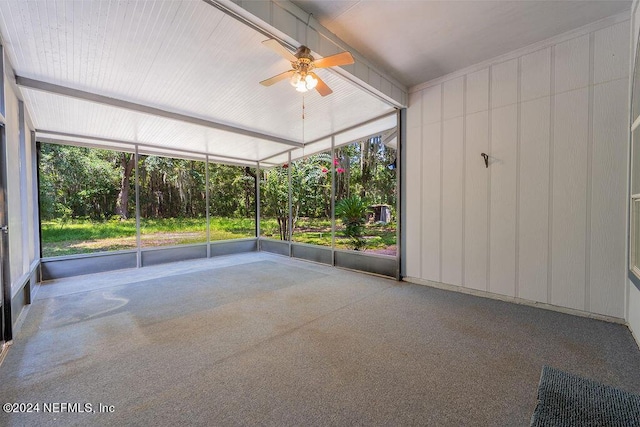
(476, 200)
(534, 199)
(490, 162)
(412, 194)
(432, 104)
(453, 98)
(552, 112)
(504, 139)
(431, 179)
(452, 155)
(476, 206)
(31, 197)
(517, 189)
(13, 185)
(533, 186)
(546, 221)
(504, 134)
(452, 182)
(608, 191)
(611, 53)
(441, 204)
(571, 123)
(431, 160)
(504, 83)
(572, 64)
(587, 259)
(608, 198)
(24, 192)
(414, 110)
(477, 91)
(413, 186)
(535, 72)
(464, 175)
(610, 150)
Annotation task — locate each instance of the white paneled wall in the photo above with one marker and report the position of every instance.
(534, 197)
(633, 293)
(21, 200)
(545, 221)
(14, 201)
(452, 181)
(476, 200)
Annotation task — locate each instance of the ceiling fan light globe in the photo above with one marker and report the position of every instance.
(310, 82)
(296, 79)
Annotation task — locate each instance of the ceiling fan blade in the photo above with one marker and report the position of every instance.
(321, 87)
(343, 58)
(277, 78)
(274, 45)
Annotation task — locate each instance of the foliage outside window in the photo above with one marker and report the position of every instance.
(87, 200)
(88, 197)
(274, 202)
(366, 197)
(232, 202)
(311, 199)
(172, 201)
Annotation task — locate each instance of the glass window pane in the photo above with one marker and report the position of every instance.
(172, 201)
(366, 197)
(87, 200)
(311, 204)
(274, 202)
(232, 202)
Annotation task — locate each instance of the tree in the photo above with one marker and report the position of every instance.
(77, 182)
(275, 193)
(127, 163)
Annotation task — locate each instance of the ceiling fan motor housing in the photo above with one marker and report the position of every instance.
(305, 59)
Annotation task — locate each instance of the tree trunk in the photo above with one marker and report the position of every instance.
(366, 166)
(247, 190)
(127, 162)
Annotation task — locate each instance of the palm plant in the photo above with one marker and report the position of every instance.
(353, 212)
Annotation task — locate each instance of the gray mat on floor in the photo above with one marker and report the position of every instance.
(569, 400)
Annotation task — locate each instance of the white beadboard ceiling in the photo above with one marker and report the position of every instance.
(180, 56)
(419, 40)
(189, 58)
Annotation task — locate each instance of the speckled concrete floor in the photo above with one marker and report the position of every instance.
(257, 339)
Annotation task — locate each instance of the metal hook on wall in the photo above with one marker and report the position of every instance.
(485, 156)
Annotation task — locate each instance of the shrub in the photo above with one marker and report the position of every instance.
(353, 213)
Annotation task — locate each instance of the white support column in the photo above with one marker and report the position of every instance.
(333, 200)
(257, 190)
(290, 232)
(206, 197)
(137, 187)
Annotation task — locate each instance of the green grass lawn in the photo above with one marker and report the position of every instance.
(85, 236)
(379, 238)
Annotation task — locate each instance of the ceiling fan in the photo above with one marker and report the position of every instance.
(301, 74)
